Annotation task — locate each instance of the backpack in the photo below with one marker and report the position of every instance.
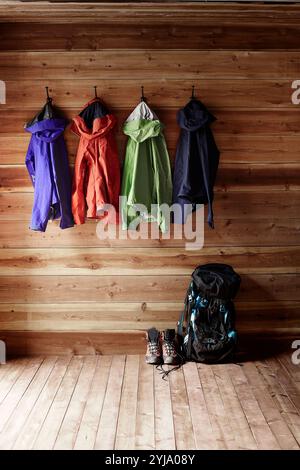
(206, 327)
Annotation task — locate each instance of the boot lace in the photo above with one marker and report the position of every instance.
(153, 347)
(170, 347)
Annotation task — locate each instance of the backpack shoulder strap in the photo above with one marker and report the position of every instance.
(184, 319)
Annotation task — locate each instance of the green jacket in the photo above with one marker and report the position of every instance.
(147, 174)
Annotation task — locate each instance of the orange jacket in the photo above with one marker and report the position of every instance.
(96, 180)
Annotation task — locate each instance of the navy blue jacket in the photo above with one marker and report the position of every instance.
(197, 159)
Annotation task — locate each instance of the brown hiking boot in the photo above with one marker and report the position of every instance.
(154, 352)
(170, 348)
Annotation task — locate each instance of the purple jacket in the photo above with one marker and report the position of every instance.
(47, 164)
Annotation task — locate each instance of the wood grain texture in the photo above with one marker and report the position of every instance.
(234, 148)
(210, 36)
(216, 407)
(263, 316)
(183, 427)
(202, 426)
(232, 122)
(234, 205)
(164, 424)
(67, 434)
(106, 433)
(49, 430)
(273, 416)
(105, 342)
(39, 289)
(230, 177)
(10, 402)
(41, 407)
(240, 427)
(255, 232)
(128, 13)
(263, 435)
(161, 92)
(88, 427)
(137, 65)
(80, 290)
(125, 436)
(143, 261)
(18, 418)
(283, 402)
(145, 410)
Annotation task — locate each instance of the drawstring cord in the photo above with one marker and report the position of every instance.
(164, 373)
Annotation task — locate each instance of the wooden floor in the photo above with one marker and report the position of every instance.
(118, 402)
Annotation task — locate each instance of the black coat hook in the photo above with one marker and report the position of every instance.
(143, 96)
(49, 99)
(95, 88)
(193, 92)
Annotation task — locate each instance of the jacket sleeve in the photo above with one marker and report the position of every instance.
(30, 162)
(78, 196)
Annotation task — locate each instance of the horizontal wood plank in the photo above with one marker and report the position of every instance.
(234, 148)
(211, 36)
(230, 177)
(251, 316)
(153, 13)
(227, 205)
(151, 261)
(254, 232)
(20, 343)
(161, 92)
(146, 64)
(118, 288)
(282, 122)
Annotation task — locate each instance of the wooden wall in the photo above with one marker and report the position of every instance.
(69, 291)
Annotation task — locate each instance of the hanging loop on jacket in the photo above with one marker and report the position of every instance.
(193, 93)
(49, 99)
(143, 99)
(95, 88)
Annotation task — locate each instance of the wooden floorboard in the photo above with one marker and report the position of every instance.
(68, 432)
(269, 408)
(164, 424)
(17, 391)
(88, 428)
(14, 425)
(292, 369)
(262, 433)
(241, 430)
(202, 427)
(125, 437)
(283, 401)
(119, 402)
(145, 424)
(183, 427)
(106, 434)
(39, 412)
(51, 426)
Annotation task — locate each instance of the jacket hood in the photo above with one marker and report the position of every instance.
(141, 129)
(93, 121)
(47, 112)
(142, 111)
(94, 109)
(194, 116)
(47, 130)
